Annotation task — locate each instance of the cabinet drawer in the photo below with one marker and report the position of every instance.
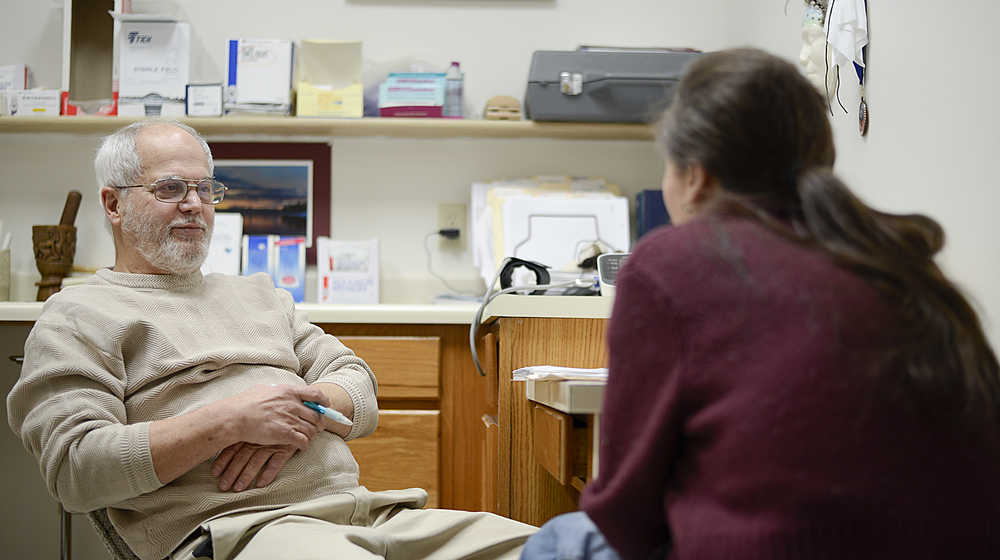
(551, 431)
(405, 366)
(402, 453)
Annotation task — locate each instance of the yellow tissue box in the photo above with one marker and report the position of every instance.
(319, 101)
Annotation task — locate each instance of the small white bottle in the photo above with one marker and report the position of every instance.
(453, 92)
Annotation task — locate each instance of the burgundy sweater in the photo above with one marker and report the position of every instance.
(750, 414)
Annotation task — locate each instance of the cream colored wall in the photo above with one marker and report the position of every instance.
(387, 188)
(933, 139)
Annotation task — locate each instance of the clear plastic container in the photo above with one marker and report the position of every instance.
(453, 92)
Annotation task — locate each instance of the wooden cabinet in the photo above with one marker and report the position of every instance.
(430, 411)
(541, 462)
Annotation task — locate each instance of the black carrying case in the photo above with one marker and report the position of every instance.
(625, 86)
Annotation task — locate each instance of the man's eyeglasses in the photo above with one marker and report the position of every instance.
(209, 191)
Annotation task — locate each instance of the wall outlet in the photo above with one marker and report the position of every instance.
(453, 216)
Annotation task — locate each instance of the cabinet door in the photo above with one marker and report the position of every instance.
(402, 453)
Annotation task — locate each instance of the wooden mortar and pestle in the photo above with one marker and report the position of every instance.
(54, 248)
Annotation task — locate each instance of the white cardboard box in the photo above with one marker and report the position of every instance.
(259, 71)
(154, 59)
(30, 102)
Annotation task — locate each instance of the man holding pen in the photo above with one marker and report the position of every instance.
(176, 401)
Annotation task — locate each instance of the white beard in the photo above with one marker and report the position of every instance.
(160, 249)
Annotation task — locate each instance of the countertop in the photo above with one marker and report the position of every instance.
(508, 305)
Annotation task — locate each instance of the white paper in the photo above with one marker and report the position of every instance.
(559, 372)
(224, 251)
(347, 271)
(552, 230)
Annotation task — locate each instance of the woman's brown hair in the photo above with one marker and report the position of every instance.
(760, 128)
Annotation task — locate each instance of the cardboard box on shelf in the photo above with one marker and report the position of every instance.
(412, 94)
(329, 79)
(154, 57)
(259, 76)
(29, 102)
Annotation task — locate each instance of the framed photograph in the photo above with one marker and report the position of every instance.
(280, 188)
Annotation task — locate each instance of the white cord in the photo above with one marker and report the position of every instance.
(490, 296)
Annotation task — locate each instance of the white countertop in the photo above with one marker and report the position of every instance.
(508, 305)
(575, 307)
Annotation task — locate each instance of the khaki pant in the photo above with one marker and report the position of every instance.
(362, 524)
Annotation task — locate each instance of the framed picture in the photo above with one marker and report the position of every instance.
(280, 188)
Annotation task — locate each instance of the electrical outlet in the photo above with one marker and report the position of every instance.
(453, 216)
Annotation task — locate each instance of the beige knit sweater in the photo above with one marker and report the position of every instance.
(107, 358)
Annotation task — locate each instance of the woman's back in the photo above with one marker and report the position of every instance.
(756, 394)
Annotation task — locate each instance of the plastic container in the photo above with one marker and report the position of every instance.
(453, 92)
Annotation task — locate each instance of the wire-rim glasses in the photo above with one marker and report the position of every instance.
(175, 189)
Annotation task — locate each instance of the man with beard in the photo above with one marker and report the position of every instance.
(173, 402)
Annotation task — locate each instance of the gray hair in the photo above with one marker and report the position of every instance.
(117, 162)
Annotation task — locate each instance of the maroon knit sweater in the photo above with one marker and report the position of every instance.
(751, 412)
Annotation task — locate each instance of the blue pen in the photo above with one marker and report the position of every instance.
(330, 413)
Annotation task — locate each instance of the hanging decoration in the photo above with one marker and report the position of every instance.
(835, 36)
(846, 28)
(815, 53)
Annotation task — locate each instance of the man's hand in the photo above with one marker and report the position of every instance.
(266, 415)
(273, 415)
(241, 463)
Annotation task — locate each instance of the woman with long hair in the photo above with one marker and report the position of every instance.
(791, 374)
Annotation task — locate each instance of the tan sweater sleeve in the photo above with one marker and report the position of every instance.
(323, 358)
(68, 408)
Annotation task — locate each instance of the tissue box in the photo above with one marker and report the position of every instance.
(153, 66)
(329, 79)
(412, 94)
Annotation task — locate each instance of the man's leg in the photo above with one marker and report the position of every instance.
(440, 534)
(406, 534)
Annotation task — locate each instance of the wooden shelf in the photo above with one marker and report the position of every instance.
(388, 127)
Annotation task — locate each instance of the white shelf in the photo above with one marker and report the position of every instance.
(388, 127)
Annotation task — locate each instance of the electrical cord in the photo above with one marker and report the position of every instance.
(448, 233)
(490, 296)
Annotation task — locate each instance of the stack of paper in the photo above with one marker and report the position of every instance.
(560, 372)
(551, 220)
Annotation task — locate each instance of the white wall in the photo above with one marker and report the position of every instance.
(931, 90)
(387, 188)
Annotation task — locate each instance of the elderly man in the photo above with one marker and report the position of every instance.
(174, 401)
